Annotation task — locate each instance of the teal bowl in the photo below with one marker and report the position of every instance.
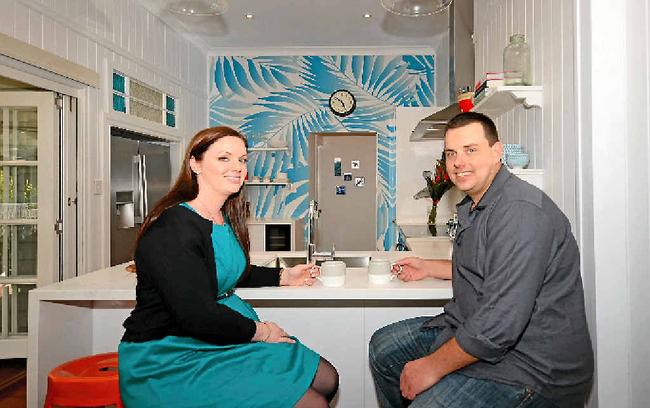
(517, 160)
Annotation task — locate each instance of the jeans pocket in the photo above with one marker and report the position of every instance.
(527, 395)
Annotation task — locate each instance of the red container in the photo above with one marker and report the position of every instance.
(466, 101)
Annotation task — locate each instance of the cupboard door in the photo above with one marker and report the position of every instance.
(256, 235)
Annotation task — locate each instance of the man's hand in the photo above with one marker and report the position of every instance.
(417, 376)
(410, 269)
(421, 374)
(414, 269)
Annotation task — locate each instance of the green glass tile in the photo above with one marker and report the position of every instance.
(118, 82)
(171, 120)
(171, 104)
(119, 104)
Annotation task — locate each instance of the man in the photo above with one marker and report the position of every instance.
(515, 333)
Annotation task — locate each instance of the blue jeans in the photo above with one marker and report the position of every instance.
(393, 346)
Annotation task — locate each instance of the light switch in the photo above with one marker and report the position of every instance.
(98, 187)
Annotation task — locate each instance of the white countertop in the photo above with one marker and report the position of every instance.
(115, 283)
(270, 221)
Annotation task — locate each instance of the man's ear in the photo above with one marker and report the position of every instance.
(497, 149)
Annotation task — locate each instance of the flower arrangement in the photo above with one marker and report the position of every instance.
(438, 182)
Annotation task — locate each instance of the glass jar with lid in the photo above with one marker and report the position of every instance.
(516, 61)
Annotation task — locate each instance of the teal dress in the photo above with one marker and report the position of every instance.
(185, 372)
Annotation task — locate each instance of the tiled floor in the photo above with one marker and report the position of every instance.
(13, 383)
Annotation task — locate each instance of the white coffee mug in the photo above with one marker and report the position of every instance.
(332, 273)
(379, 271)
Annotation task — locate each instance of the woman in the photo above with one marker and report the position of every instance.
(191, 341)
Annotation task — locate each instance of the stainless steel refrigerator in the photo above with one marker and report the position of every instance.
(343, 181)
(140, 176)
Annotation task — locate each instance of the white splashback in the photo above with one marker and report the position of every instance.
(412, 159)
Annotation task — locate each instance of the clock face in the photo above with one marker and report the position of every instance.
(342, 102)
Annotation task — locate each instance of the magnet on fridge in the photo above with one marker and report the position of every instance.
(337, 166)
(360, 181)
(355, 164)
(340, 190)
(347, 176)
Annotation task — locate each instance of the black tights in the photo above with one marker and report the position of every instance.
(322, 389)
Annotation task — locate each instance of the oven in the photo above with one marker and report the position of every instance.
(277, 237)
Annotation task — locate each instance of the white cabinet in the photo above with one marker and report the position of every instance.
(256, 236)
(532, 176)
(273, 235)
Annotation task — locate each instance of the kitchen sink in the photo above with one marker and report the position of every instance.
(350, 261)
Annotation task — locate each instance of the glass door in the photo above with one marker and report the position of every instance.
(29, 135)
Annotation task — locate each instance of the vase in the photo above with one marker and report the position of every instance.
(432, 220)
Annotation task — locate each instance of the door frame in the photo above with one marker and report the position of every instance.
(33, 75)
(53, 83)
(46, 243)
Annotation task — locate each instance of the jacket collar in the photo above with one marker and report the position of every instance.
(464, 208)
(490, 195)
(493, 191)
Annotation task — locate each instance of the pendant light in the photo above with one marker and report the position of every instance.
(199, 8)
(415, 8)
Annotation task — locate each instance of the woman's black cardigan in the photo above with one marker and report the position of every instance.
(176, 292)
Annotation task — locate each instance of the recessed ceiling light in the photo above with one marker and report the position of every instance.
(367, 15)
(199, 8)
(249, 16)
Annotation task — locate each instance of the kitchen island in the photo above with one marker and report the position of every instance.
(84, 315)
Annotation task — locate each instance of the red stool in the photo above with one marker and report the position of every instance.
(85, 382)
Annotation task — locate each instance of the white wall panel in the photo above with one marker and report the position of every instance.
(35, 29)
(548, 134)
(104, 35)
(21, 23)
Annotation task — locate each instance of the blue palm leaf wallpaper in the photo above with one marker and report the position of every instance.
(280, 100)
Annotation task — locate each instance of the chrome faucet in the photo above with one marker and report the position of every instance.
(452, 226)
(312, 255)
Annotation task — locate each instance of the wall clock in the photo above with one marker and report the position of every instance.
(342, 102)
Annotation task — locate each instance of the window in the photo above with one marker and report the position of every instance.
(138, 99)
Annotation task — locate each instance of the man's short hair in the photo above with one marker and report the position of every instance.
(466, 118)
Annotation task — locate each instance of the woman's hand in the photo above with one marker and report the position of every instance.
(269, 332)
(299, 275)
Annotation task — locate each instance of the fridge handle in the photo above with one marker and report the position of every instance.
(138, 215)
(145, 202)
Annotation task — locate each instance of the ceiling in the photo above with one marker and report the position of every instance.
(281, 24)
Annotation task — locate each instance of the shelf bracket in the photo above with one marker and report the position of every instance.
(529, 98)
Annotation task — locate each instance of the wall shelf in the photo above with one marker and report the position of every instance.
(494, 103)
(502, 99)
(267, 183)
(268, 149)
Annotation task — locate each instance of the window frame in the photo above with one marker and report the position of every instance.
(163, 108)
